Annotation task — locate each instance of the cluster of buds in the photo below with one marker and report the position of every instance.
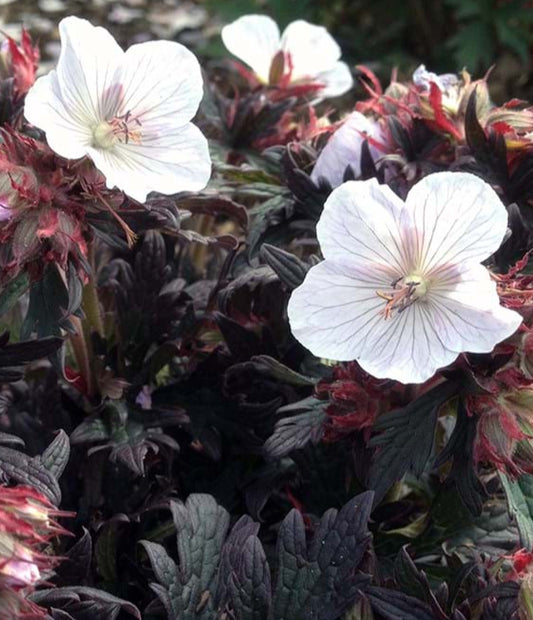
(503, 408)
(26, 527)
(356, 399)
(18, 64)
(441, 102)
(42, 213)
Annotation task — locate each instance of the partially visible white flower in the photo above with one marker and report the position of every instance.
(20, 570)
(128, 111)
(422, 78)
(401, 289)
(9, 179)
(303, 53)
(344, 149)
(448, 83)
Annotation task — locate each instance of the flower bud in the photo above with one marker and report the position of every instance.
(525, 598)
(17, 564)
(277, 69)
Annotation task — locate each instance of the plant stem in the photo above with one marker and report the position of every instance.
(91, 306)
(199, 251)
(81, 353)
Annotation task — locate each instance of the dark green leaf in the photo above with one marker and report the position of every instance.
(21, 352)
(393, 605)
(49, 300)
(519, 494)
(56, 455)
(319, 582)
(246, 575)
(271, 367)
(405, 438)
(101, 604)
(201, 527)
(7, 438)
(106, 550)
(290, 269)
(12, 292)
(91, 429)
(27, 470)
(460, 447)
(164, 567)
(76, 566)
(297, 431)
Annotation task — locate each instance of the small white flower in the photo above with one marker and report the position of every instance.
(344, 149)
(401, 289)
(422, 78)
(128, 111)
(303, 53)
(20, 570)
(448, 83)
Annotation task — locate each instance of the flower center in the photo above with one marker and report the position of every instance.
(123, 129)
(405, 291)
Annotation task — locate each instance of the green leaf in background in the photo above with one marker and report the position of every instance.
(473, 45)
(519, 495)
(13, 291)
(282, 11)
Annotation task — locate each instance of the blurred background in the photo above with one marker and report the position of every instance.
(446, 35)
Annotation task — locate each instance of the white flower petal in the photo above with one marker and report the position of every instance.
(255, 40)
(66, 134)
(466, 310)
(68, 102)
(337, 80)
(344, 149)
(368, 302)
(337, 314)
(86, 68)
(168, 161)
(336, 308)
(406, 348)
(457, 217)
(312, 49)
(148, 93)
(362, 221)
(423, 78)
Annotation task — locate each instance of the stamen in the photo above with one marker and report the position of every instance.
(119, 128)
(405, 292)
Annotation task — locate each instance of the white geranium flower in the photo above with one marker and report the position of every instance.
(422, 78)
(303, 53)
(344, 149)
(401, 289)
(448, 83)
(128, 111)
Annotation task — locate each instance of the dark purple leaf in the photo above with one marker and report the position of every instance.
(297, 431)
(404, 438)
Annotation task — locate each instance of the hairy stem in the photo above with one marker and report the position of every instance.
(91, 307)
(81, 353)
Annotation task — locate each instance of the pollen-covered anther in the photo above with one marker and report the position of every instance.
(124, 128)
(127, 128)
(405, 292)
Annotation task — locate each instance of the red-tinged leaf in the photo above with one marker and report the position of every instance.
(372, 78)
(515, 103)
(501, 127)
(441, 120)
(76, 380)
